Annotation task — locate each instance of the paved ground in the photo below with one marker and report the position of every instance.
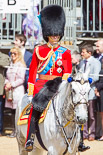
(96, 148)
(8, 146)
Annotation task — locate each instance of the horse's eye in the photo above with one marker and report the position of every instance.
(73, 91)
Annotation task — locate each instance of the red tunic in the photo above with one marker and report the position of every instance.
(66, 67)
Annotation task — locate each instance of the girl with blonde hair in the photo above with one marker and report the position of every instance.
(15, 77)
(16, 50)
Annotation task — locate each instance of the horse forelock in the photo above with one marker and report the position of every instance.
(80, 76)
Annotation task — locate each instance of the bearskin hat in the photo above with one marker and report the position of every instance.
(52, 21)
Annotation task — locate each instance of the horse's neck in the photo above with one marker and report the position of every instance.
(67, 108)
(64, 108)
(59, 99)
(51, 122)
(68, 114)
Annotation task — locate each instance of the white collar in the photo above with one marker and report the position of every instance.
(89, 59)
(23, 51)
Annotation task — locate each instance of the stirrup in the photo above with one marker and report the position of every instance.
(29, 145)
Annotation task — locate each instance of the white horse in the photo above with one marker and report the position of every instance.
(60, 130)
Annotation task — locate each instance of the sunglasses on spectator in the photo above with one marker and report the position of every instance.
(13, 53)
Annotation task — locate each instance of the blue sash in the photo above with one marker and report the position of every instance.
(50, 63)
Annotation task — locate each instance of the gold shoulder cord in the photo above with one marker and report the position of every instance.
(65, 46)
(47, 58)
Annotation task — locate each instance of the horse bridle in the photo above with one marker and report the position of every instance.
(79, 102)
(68, 148)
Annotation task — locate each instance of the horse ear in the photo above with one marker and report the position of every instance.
(74, 70)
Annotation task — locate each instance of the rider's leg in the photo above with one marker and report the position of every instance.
(31, 130)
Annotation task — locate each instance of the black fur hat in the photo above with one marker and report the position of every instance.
(52, 21)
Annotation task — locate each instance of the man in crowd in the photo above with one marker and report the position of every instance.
(76, 58)
(92, 66)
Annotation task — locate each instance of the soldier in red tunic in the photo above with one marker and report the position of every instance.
(49, 61)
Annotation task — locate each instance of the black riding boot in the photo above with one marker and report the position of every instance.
(82, 147)
(32, 123)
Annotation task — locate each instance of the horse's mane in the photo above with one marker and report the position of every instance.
(64, 100)
(42, 98)
(63, 87)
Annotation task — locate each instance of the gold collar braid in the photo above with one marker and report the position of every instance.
(52, 46)
(47, 58)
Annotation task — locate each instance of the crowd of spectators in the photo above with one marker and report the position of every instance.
(93, 62)
(15, 77)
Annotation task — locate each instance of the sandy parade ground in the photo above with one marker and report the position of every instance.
(8, 146)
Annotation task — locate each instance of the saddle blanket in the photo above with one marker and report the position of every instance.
(23, 119)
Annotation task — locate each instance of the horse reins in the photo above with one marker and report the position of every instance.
(68, 148)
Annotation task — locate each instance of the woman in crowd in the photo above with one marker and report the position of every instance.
(15, 77)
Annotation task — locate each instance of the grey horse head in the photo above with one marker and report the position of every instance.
(76, 103)
(80, 88)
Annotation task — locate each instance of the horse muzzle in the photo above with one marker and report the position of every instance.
(80, 121)
(81, 113)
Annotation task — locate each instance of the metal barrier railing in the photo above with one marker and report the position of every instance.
(90, 17)
(12, 24)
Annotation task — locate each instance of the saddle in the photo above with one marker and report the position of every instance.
(23, 119)
(41, 101)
